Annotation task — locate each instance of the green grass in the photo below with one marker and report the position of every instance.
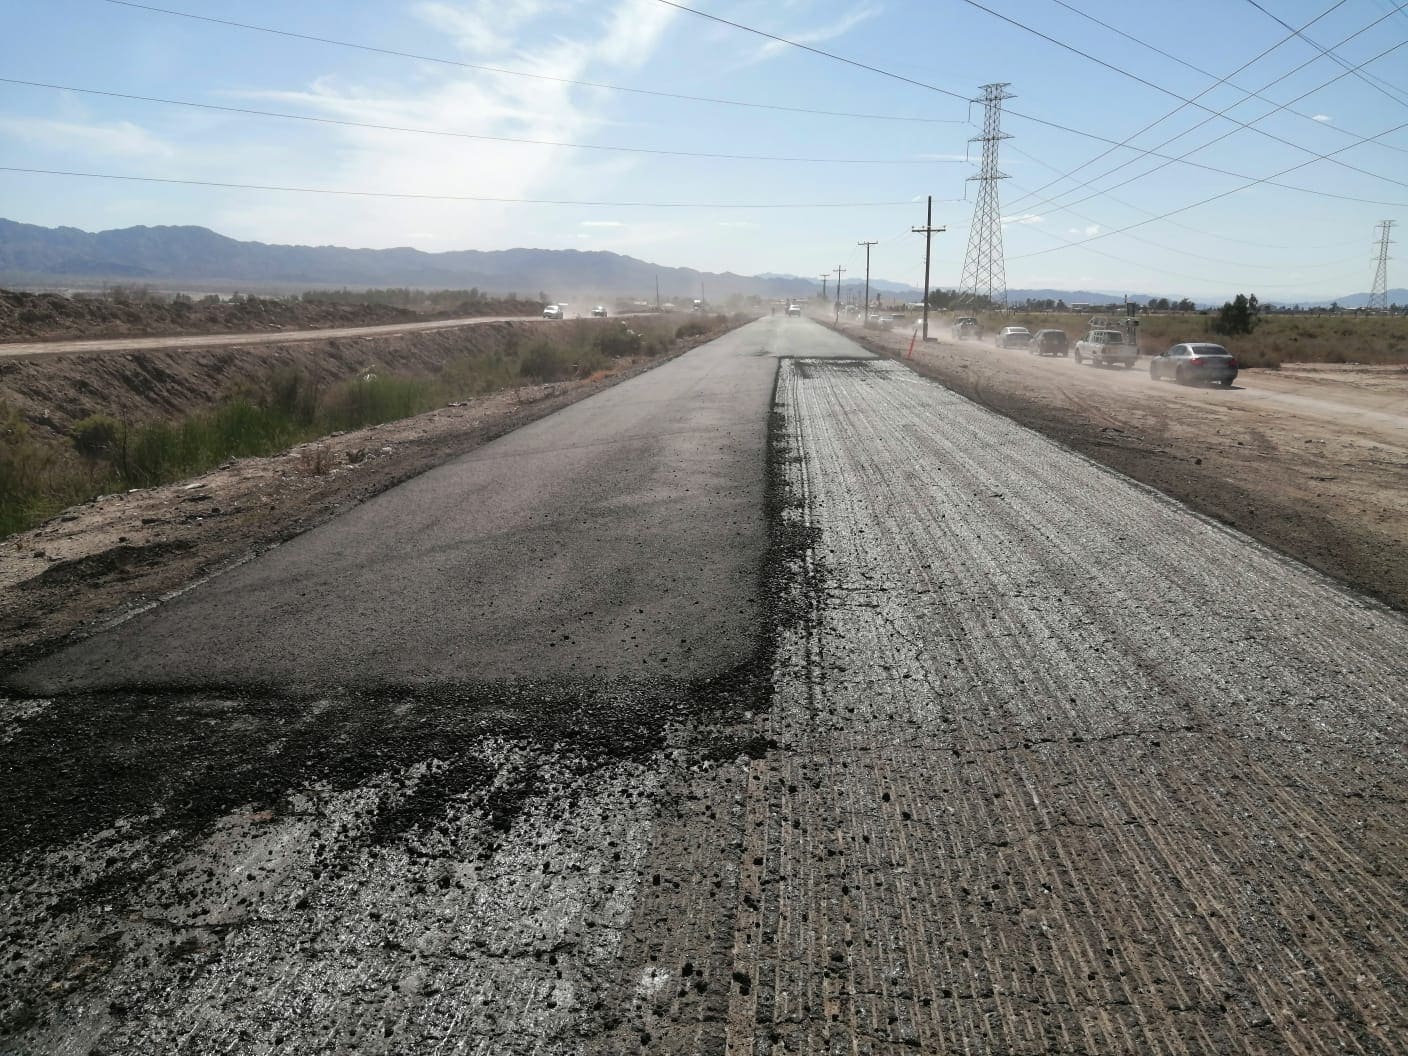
(38, 480)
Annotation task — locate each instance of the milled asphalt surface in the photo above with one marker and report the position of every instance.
(992, 752)
(618, 538)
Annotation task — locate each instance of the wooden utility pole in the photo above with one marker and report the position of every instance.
(865, 315)
(928, 231)
(824, 280)
(839, 270)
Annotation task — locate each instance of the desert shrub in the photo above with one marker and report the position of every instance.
(22, 471)
(373, 399)
(545, 361)
(292, 394)
(98, 437)
(693, 328)
(618, 341)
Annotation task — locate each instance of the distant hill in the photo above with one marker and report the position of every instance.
(29, 254)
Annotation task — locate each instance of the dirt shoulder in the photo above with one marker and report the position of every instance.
(55, 317)
(1311, 460)
(103, 559)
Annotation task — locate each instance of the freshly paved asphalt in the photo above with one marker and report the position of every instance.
(619, 538)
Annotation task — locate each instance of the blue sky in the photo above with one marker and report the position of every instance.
(1310, 239)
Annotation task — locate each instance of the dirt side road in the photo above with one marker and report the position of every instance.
(1311, 460)
(131, 344)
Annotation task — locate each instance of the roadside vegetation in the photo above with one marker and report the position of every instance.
(121, 311)
(103, 454)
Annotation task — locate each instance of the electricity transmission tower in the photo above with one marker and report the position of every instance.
(1378, 296)
(983, 273)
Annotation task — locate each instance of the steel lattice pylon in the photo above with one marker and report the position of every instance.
(1378, 296)
(984, 275)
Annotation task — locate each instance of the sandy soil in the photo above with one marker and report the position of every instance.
(1311, 460)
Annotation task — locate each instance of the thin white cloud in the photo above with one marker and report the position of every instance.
(820, 34)
(1320, 117)
(737, 223)
(602, 223)
(1024, 218)
(121, 138)
(555, 38)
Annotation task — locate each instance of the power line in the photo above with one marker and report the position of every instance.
(246, 111)
(1018, 114)
(453, 197)
(441, 60)
(1377, 83)
(1094, 136)
(1173, 223)
(1154, 152)
(808, 48)
(1256, 94)
(1101, 192)
(1169, 92)
(1204, 201)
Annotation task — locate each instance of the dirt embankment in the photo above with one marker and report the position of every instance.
(54, 316)
(1311, 460)
(120, 552)
(53, 392)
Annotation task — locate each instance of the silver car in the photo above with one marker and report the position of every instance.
(1195, 361)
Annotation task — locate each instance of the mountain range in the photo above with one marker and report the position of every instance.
(31, 255)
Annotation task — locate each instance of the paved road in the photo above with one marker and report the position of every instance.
(263, 337)
(1031, 760)
(620, 537)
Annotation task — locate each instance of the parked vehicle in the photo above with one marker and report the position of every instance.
(1049, 343)
(599, 312)
(552, 311)
(965, 326)
(1195, 361)
(1106, 348)
(794, 309)
(1014, 337)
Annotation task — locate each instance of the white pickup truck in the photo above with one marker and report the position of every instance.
(1105, 348)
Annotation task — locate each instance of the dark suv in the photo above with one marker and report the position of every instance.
(1195, 361)
(1049, 343)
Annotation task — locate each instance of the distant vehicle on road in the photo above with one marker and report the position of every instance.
(599, 312)
(1106, 348)
(552, 311)
(965, 326)
(1049, 343)
(1195, 361)
(1014, 337)
(794, 309)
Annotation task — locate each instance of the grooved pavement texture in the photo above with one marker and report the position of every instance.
(1059, 767)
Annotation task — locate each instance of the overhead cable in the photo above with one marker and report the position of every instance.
(1208, 200)
(475, 135)
(479, 67)
(454, 197)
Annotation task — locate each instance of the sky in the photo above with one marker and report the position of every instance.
(822, 154)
